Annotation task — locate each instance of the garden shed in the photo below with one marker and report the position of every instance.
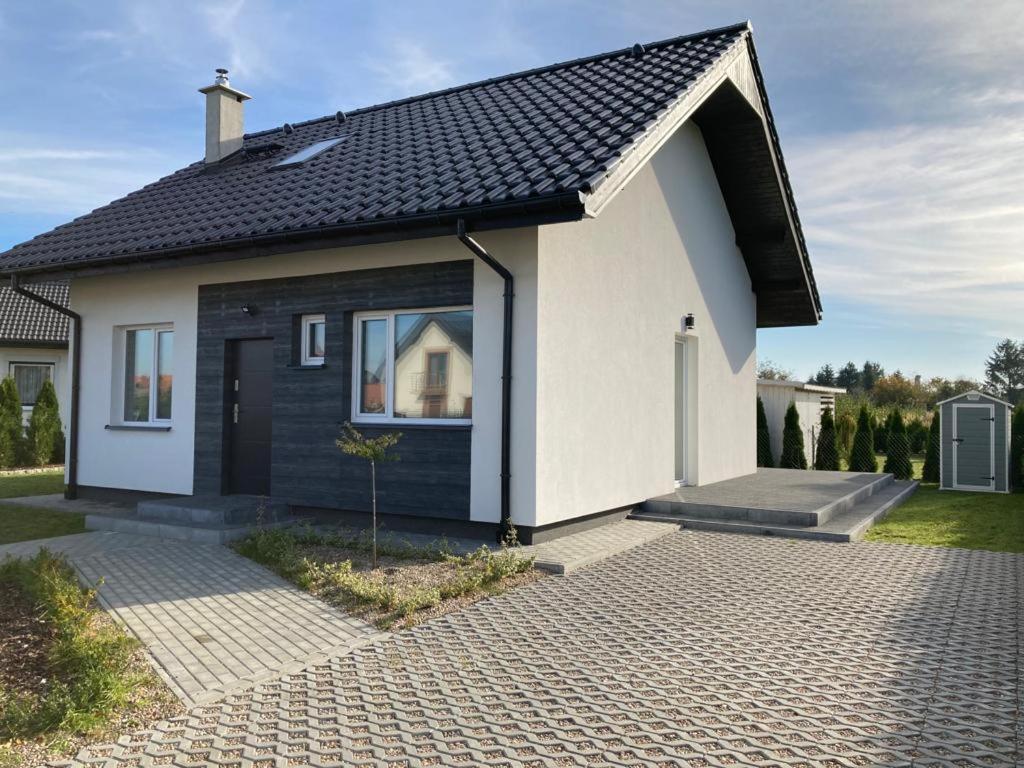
(974, 453)
(811, 401)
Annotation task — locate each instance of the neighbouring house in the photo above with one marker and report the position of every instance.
(550, 282)
(811, 401)
(34, 344)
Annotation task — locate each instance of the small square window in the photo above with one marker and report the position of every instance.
(314, 339)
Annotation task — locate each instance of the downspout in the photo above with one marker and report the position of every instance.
(71, 492)
(506, 376)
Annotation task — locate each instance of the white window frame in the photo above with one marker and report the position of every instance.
(388, 416)
(156, 328)
(41, 364)
(306, 358)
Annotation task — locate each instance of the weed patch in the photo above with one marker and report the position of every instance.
(410, 582)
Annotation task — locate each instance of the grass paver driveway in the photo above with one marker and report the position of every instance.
(699, 649)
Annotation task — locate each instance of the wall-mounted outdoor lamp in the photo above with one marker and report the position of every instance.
(249, 309)
(688, 322)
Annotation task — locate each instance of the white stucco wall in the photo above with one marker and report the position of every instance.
(57, 357)
(612, 293)
(163, 461)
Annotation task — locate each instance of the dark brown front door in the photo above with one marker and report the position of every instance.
(249, 399)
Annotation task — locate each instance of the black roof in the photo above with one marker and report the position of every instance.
(25, 323)
(520, 149)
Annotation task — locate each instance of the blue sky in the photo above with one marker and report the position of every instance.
(902, 126)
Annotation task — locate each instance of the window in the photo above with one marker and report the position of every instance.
(414, 366)
(29, 379)
(314, 338)
(309, 152)
(148, 374)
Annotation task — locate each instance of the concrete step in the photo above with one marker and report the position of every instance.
(852, 499)
(667, 508)
(848, 525)
(212, 510)
(200, 533)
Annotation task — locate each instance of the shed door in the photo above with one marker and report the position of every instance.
(974, 447)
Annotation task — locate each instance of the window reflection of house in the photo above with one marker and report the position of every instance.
(434, 365)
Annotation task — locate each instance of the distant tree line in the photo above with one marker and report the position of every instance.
(1004, 377)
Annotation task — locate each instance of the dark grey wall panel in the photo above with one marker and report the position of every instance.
(432, 477)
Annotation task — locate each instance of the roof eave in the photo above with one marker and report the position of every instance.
(551, 209)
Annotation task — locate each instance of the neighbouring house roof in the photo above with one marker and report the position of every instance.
(25, 323)
(523, 149)
(974, 394)
(803, 386)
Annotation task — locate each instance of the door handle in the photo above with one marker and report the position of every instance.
(955, 439)
(235, 413)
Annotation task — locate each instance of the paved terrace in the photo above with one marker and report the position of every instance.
(795, 490)
(697, 649)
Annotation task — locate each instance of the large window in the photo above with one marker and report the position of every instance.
(148, 374)
(29, 379)
(414, 365)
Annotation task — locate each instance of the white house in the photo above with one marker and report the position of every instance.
(34, 345)
(811, 400)
(549, 282)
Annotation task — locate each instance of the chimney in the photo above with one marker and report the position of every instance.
(224, 123)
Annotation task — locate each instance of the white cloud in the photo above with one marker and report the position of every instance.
(409, 68)
(924, 218)
(36, 177)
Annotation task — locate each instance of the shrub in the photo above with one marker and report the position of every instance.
(1017, 447)
(793, 456)
(897, 459)
(44, 437)
(764, 438)
(862, 455)
(12, 433)
(827, 457)
(917, 433)
(846, 426)
(879, 433)
(930, 472)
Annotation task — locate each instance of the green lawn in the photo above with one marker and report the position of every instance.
(27, 523)
(12, 486)
(992, 521)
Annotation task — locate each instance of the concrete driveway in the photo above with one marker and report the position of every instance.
(698, 649)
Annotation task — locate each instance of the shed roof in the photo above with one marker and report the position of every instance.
(802, 386)
(973, 395)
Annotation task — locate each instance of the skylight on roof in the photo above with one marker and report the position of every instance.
(311, 151)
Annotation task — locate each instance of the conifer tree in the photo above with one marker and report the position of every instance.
(862, 455)
(1017, 448)
(11, 429)
(930, 472)
(793, 456)
(897, 458)
(764, 438)
(44, 438)
(827, 457)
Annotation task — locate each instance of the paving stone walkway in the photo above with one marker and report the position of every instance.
(211, 620)
(697, 649)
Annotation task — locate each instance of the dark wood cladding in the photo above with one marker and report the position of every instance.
(741, 153)
(310, 403)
